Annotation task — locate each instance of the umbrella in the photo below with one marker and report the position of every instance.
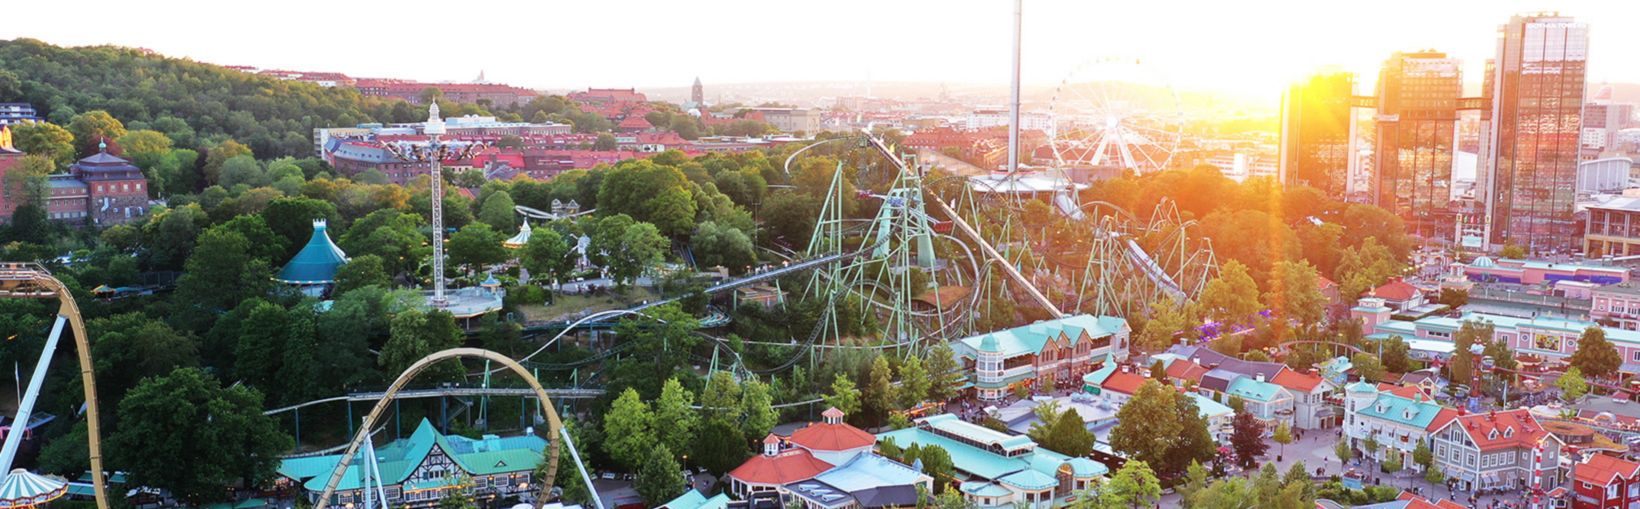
(22, 488)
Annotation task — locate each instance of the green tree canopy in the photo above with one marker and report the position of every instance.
(1595, 356)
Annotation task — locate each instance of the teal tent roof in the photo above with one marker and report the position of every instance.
(317, 262)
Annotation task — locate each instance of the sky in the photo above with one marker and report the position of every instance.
(1247, 47)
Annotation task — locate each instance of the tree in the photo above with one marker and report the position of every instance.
(457, 498)
(1512, 250)
(185, 433)
(1147, 425)
(681, 421)
(261, 345)
(222, 271)
(757, 410)
(1453, 298)
(1247, 439)
(877, 397)
(1232, 296)
(1572, 385)
(722, 246)
(393, 235)
(1368, 367)
(628, 248)
(721, 446)
(936, 463)
(720, 400)
(604, 142)
(1422, 456)
(1194, 443)
(475, 246)
(548, 254)
(1434, 477)
(1595, 356)
(1396, 355)
(1232, 493)
(1392, 464)
(414, 334)
(95, 127)
(1168, 320)
(651, 193)
(1069, 435)
(1195, 480)
(219, 155)
(1295, 293)
(790, 216)
(914, 382)
(629, 431)
(1134, 485)
(359, 272)
(943, 373)
(1462, 366)
(497, 211)
(45, 139)
(1283, 435)
(844, 396)
(658, 477)
(1343, 452)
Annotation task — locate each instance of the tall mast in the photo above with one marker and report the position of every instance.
(1013, 101)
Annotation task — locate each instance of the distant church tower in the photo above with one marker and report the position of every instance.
(697, 93)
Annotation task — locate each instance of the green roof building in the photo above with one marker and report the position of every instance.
(314, 267)
(999, 469)
(1064, 349)
(418, 471)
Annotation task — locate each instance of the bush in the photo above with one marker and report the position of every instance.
(526, 294)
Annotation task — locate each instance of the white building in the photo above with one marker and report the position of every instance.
(1397, 420)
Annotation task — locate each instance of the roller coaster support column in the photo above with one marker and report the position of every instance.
(592, 493)
(19, 425)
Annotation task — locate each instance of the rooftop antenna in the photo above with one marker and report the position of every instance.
(1013, 100)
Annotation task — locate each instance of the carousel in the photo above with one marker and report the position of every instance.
(24, 489)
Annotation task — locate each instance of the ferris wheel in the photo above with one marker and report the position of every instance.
(1115, 112)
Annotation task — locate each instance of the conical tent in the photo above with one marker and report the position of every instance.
(317, 262)
(25, 489)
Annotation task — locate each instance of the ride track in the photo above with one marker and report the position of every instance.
(31, 281)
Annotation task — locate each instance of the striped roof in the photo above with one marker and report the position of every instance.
(24, 488)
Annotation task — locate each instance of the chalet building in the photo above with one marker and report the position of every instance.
(423, 468)
(1062, 349)
(1605, 482)
(1398, 420)
(1498, 450)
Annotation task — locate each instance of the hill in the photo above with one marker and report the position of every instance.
(274, 117)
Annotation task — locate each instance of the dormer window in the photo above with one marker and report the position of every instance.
(1492, 435)
(1509, 432)
(1407, 414)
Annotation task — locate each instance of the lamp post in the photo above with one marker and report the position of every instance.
(434, 152)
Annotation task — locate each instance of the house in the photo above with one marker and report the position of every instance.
(787, 463)
(693, 499)
(998, 469)
(1552, 338)
(1399, 295)
(1310, 393)
(1603, 481)
(1062, 349)
(1220, 418)
(867, 481)
(1507, 450)
(418, 471)
(1268, 402)
(1397, 422)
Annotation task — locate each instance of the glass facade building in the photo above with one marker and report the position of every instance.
(1417, 122)
(1536, 87)
(1315, 133)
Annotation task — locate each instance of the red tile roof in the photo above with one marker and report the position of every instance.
(1417, 502)
(1183, 369)
(1396, 289)
(1515, 428)
(821, 436)
(1441, 418)
(1301, 382)
(635, 122)
(788, 466)
(1125, 383)
(1600, 469)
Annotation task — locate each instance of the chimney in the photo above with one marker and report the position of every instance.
(1260, 377)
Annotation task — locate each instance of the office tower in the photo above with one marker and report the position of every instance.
(1317, 133)
(1416, 132)
(1536, 89)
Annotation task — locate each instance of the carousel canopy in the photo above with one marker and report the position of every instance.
(317, 262)
(518, 241)
(25, 489)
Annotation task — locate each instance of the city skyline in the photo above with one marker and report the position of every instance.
(1256, 49)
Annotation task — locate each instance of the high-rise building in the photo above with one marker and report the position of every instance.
(697, 93)
(1417, 120)
(1536, 89)
(1316, 132)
